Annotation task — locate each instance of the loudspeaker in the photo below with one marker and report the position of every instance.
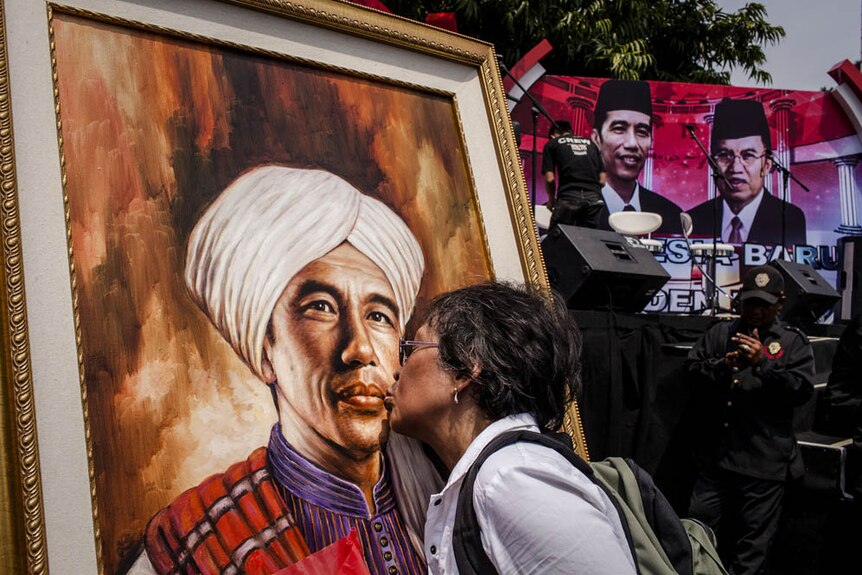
(600, 269)
(850, 276)
(809, 296)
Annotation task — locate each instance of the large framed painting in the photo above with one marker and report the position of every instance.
(167, 169)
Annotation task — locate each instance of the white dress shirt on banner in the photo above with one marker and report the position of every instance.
(614, 203)
(537, 512)
(745, 215)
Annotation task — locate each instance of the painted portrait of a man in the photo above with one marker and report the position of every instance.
(311, 282)
(251, 237)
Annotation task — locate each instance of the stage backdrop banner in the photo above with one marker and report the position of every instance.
(810, 135)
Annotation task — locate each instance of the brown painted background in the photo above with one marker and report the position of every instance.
(154, 128)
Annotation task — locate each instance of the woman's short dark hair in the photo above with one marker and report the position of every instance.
(523, 342)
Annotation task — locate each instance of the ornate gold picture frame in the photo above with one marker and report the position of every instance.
(119, 123)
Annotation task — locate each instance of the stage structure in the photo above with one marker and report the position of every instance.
(814, 167)
(121, 124)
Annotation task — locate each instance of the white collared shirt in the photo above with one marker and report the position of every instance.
(745, 215)
(615, 203)
(536, 511)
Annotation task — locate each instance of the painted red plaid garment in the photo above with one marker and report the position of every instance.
(234, 522)
(327, 507)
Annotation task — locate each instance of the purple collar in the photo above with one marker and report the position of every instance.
(299, 476)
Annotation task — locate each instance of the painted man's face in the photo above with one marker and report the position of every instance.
(744, 163)
(624, 141)
(333, 348)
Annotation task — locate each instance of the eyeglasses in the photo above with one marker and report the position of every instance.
(405, 348)
(726, 157)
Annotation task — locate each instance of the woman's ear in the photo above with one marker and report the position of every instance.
(466, 380)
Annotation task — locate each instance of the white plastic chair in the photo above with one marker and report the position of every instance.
(705, 251)
(543, 216)
(635, 224)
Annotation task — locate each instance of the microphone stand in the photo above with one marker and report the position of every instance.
(786, 176)
(717, 176)
(535, 110)
(534, 114)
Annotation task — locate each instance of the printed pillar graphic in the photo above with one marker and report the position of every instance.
(781, 114)
(579, 116)
(847, 187)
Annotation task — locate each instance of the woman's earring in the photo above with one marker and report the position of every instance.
(456, 396)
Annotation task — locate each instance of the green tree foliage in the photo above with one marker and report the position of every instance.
(676, 40)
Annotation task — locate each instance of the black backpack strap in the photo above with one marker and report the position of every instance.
(470, 556)
(664, 521)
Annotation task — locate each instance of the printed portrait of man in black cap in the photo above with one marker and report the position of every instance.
(741, 146)
(622, 129)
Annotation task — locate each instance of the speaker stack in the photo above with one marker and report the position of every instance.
(850, 276)
(597, 269)
(808, 295)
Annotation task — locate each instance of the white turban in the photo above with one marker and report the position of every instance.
(270, 223)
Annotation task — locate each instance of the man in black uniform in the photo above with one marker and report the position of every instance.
(843, 401)
(578, 200)
(843, 395)
(750, 374)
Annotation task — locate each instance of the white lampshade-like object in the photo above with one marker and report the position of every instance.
(635, 224)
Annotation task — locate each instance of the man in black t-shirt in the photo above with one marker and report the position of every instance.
(577, 161)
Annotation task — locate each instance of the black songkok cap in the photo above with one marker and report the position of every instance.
(739, 119)
(622, 95)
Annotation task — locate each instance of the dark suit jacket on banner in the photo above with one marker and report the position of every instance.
(652, 202)
(766, 227)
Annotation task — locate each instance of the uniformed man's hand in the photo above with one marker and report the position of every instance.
(749, 350)
(732, 360)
